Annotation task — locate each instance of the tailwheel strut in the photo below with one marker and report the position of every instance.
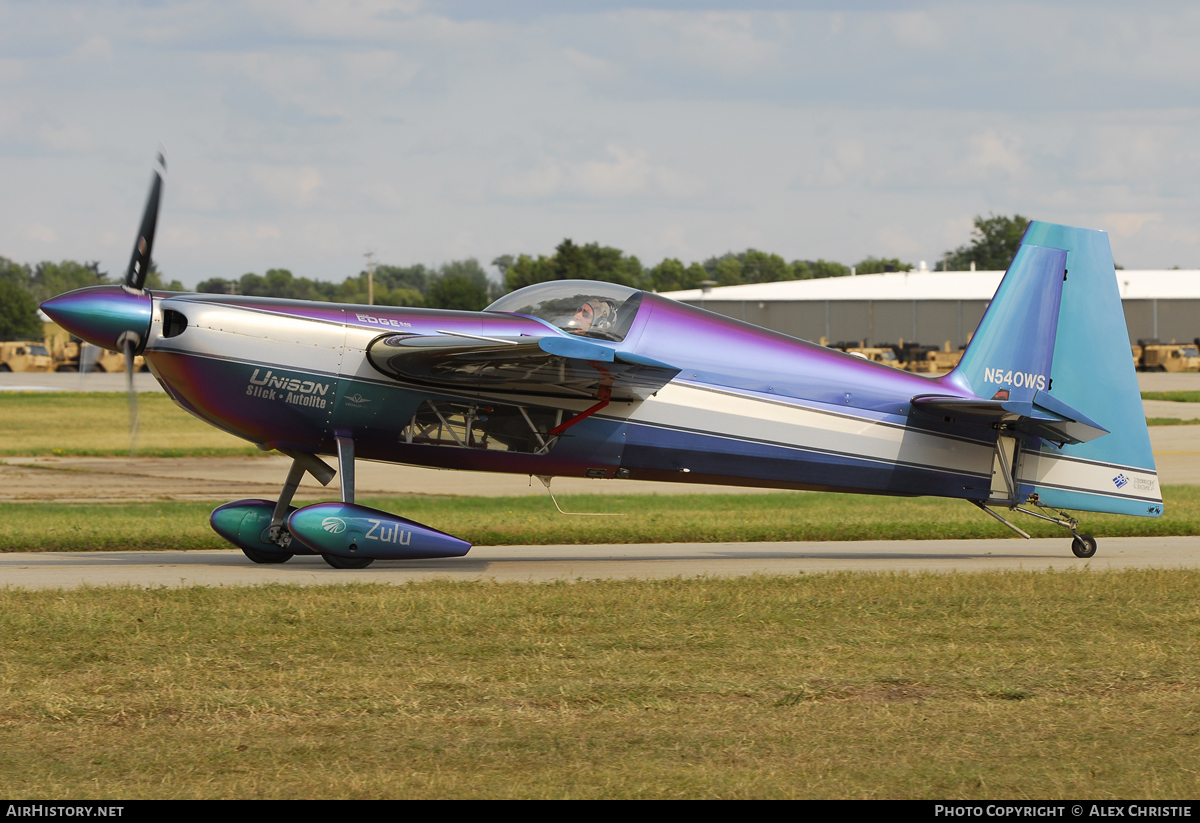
(1082, 545)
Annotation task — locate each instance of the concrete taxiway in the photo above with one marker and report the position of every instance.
(506, 564)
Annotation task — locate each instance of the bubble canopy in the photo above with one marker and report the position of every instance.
(585, 307)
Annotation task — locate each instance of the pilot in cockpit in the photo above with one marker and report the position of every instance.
(596, 314)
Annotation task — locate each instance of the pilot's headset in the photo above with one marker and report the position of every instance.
(604, 314)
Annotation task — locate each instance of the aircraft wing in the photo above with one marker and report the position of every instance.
(549, 366)
(1044, 416)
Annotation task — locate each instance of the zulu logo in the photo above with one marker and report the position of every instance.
(382, 533)
(298, 392)
(383, 321)
(1015, 378)
(1120, 480)
(333, 525)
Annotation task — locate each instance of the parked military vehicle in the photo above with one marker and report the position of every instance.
(936, 360)
(878, 354)
(24, 356)
(1168, 357)
(67, 350)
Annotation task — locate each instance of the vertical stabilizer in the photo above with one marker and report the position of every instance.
(1055, 335)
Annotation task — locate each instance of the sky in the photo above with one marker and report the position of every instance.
(302, 134)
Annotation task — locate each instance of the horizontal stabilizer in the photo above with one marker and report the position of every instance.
(1043, 416)
(548, 366)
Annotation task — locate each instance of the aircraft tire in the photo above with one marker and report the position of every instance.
(1084, 546)
(266, 557)
(339, 562)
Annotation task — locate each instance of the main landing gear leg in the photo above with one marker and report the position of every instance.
(278, 532)
(345, 449)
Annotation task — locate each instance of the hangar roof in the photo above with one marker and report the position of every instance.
(936, 285)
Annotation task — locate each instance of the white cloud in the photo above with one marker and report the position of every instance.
(71, 138)
(730, 44)
(177, 237)
(382, 195)
(897, 241)
(673, 238)
(918, 30)
(957, 231)
(37, 231)
(845, 162)
(1130, 224)
(11, 69)
(95, 48)
(989, 153)
(288, 185)
(623, 173)
(336, 18)
(590, 65)
(415, 128)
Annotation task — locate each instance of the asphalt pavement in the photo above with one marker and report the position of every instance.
(541, 564)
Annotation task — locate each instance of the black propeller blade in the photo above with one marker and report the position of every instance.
(135, 279)
(139, 263)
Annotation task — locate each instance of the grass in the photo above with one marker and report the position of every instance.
(534, 521)
(1171, 421)
(97, 423)
(1175, 396)
(1021, 684)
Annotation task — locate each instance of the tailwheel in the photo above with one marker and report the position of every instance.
(1084, 545)
(339, 562)
(259, 556)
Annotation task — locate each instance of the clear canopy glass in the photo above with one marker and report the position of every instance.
(584, 307)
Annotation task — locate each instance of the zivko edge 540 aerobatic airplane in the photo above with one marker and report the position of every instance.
(585, 379)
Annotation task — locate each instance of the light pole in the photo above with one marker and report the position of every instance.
(370, 277)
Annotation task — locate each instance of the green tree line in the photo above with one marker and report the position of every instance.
(595, 262)
(459, 284)
(464, 285)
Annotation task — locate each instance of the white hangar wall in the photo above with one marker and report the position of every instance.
(932, 307)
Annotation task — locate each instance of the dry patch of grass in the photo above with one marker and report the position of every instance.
(97, 423)
(1044, 685)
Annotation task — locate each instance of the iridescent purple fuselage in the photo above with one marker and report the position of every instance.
(749, 406)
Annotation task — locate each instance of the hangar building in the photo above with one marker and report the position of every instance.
(932, 307)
